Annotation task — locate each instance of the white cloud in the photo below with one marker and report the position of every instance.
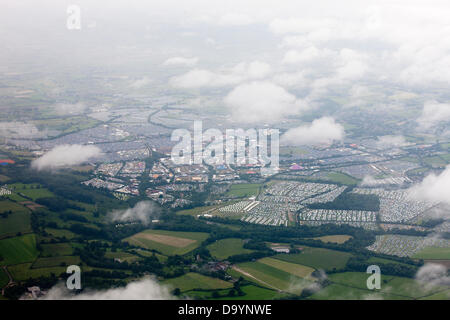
(390, 141)
(307, 55)
(69, 108)
(20, 130)
(65, 155)
(235, 19)
(323, 130)
(433, 113)
(181, 61)
(262, 102)
(137, 84)
(143, 211)
(434, 187)
(433, 275)
(200, 78)
(145, 289)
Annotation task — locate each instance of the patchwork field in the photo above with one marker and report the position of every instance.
(244, 190)
(32, 191)
(340, 238)
(55, 262)
(292, 268)
(192, 280)
(167, 242)
(270, 277)
(56, 249)
(17, 221)
(433, 253)
(353, 285)
(24, 271)
(18, 249)
(222, 249)
(317, 258)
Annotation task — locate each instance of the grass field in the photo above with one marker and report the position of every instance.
(342, 178)
(55, 261)
(17, 221)
(56, 249)
(433, 253)
(32, 191)
(225, 248)
(18, 250)
(270, 277)
(292, 268)
(340, 292)
(168, 242)
(341, 238)
(59, 233)
(192, 280)
(24, 271)
(255, 293)
(317, 258)
(392, 287)
(123, 256)
(244, 190)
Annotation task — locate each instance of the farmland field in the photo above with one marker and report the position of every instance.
(340, 238)
(340, 292)
(433, 253)
(270, 277)
(32, 191)
(244, 190)
(55, 261)
(192, 280)
(24, 271)
(18, 250)
(225, 248)
(56, 249)
(292, 268)
(17, 221)
(318, 258)
(168, 242)
(394, 287)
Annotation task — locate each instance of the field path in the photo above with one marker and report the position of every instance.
(11, 280)
(253, 277)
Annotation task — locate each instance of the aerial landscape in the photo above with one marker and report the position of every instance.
(212, 150)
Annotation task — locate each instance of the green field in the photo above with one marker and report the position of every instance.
(317, 258)
(392, 287)
(433, 253)
(270, 277)
(55, 262)
(292, 268)
(123, 256)
(32, 191)
(222, 249)
(340, 292)
(59, 233)
(18, 250)
(244, 190)
(341, 238)
(168, 242)
(56, 249)
(24, 271)
(17, 221)
(193, 280)
(342, 178)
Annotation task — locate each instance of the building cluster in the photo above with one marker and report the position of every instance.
(405, 246)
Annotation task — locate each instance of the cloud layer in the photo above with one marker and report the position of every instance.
(65, 155)
(434, 187)
(323, 130)
(143, 212)
(145, 289)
